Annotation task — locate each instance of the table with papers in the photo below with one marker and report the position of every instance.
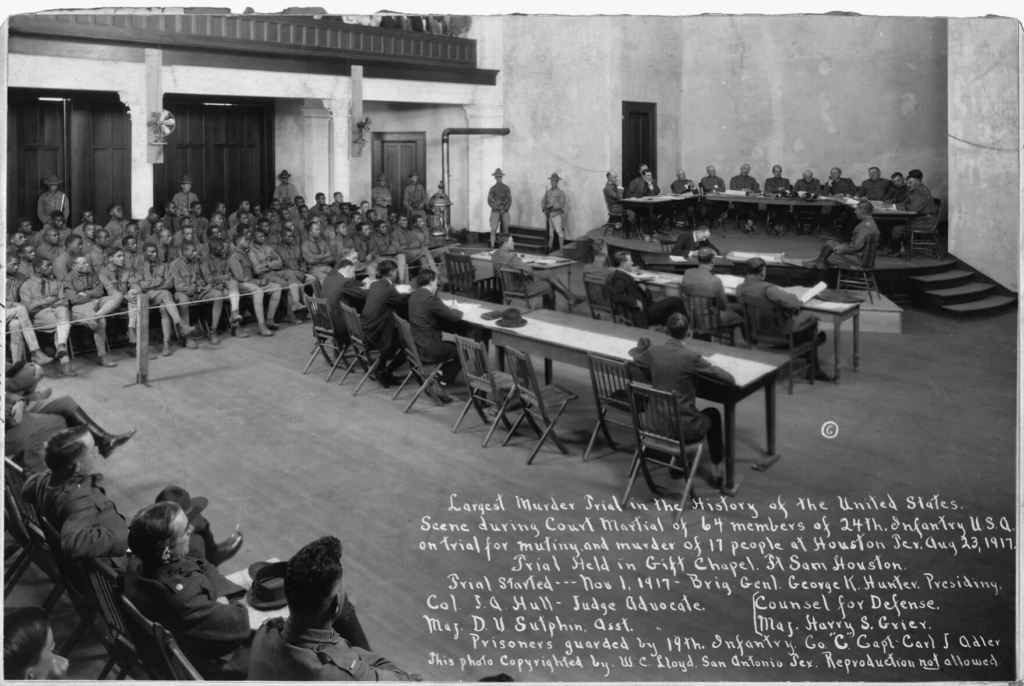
(485, 267)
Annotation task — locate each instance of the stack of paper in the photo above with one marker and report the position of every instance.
(769, 257)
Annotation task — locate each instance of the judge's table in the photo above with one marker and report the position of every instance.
(569, 339)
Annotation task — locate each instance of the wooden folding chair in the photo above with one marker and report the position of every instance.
(862, 276)
(515, 285)
(599, 297)
(462, 279)
(364, 353)
(656, 426)
(767, 325)
(705, 316)
(611, 380)
(106, 584)
(323, 336)
(486, 388)
(416, 366)
(157, 649)
(541, 405)
(29, 542)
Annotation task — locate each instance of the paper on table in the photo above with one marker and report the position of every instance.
(734, 192)
(679, 258)
(772, 257)
(813, 291)
(743, 371)
(730, 281)
(403, 288)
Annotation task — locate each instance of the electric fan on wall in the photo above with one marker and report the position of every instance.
(161, 125)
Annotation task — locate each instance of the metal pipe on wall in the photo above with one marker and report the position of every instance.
(446, 147)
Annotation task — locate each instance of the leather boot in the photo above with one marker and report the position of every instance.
(106, 442)
(225, 550)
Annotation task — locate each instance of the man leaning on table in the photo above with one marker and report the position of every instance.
(803, 324)
(674, 367)
(314, 642)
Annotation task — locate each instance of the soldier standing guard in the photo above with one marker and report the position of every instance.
(286, 191)
(52, 200)
(553, 205)
(415, 197)
(499, 197)
(381, 196)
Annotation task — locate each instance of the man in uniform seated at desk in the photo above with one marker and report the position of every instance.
(919, 199)
(708, 285)
(803, 324)
(744, 182)
(849, 254)
(690, 241)
(713, 183)
(675, 368)
(628, 294)
(321, 640)
(838, 184)
(612, 198)
(897, 193)
(778, 185)
(810, 185)
(874, 187)
(539, 283)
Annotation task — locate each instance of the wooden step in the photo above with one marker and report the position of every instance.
(991, 306)
(958, 294)
(946, 279)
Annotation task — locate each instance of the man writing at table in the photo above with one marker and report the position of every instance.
(673, 367)
(803, 324)
(690, 241)
(849, 254)
(645, 186)
(628, 294)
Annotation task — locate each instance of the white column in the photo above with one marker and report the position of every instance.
(142, 170)
(339, 146)
(485, 155)
(316, 121)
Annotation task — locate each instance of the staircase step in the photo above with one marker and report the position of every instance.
(959, 294)
(979, 309)
(946, 279)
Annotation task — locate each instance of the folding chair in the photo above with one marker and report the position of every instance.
(767, 328)
(157, 649)
(462, 279)
(705, 317)
(925, 239)
(106, 584)
(416, 366)
(486, 388)
(656, 426)
(610, 379)
(599, 297)
(323, 336)
(364, 353)
(538, 402)
(29, 546)
(515, 285)
(862, 276)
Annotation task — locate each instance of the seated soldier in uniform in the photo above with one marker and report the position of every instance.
(635, 298)
(597, 260)
(897, 193)
(97, 255)
(918, 199)
(248, 284)
(156, 282)
(19, 322)
(744, 182)
(187, 595)
(267, 264)
(838, 184)
(146, 225)
(90, 304)
(322, 639)
(217, 275)
(382, 246)
(849, 254)
(46, 301)
(190, 286)
(690, 241)
(119, 277)
(317, 253)
(290, 253)
(874, 187)
(541, 283)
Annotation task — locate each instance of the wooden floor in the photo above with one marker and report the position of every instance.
(289, 458)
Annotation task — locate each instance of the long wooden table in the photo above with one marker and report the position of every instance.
(484, 264)
(649, 204)
(569, 339)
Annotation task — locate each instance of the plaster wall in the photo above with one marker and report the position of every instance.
(985, 70)
(289, 149)
(815, 92)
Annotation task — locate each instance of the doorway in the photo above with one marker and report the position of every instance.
(396, 155)
(639, 139)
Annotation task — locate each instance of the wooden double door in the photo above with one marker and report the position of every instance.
(82, 137)
(639, 139)
(396, 155)
(226, 147)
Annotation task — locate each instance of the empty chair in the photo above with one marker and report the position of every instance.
(156, 647)
(324, 342)
(542, 406)
(599, 297)
(365, 355)
(488, 390)
(416, 367)
(767, 325)
(656, 426)
(861, 277)
(610, 379)
(462, 279)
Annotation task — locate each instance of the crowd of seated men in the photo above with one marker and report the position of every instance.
(904, 192)
(436, 24)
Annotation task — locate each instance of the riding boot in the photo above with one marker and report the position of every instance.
(106, 442)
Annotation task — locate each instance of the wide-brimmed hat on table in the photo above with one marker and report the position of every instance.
(52, 180)
(511, 319)
(267, 590)
(190, 506)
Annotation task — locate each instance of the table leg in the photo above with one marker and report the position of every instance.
(856, 340)
(769, 417)
(730, 486)
(500, 351)
(547, 370)
(836, 326)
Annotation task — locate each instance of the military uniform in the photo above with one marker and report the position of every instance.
(875, 189)
(47, 316)
(89, 524)
(49, 203)
(115, 227)
(286, 192)
(182, 596)
(184, 201)
(92, 307)
(317, 254)
(381, 200)
(499, 198)
(554, 205)
(713, 209)
(284, 651)
(841, 186)
(414, 199)
(124, 281)
(291, 256)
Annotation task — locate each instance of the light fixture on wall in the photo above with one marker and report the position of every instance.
(363, 127)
